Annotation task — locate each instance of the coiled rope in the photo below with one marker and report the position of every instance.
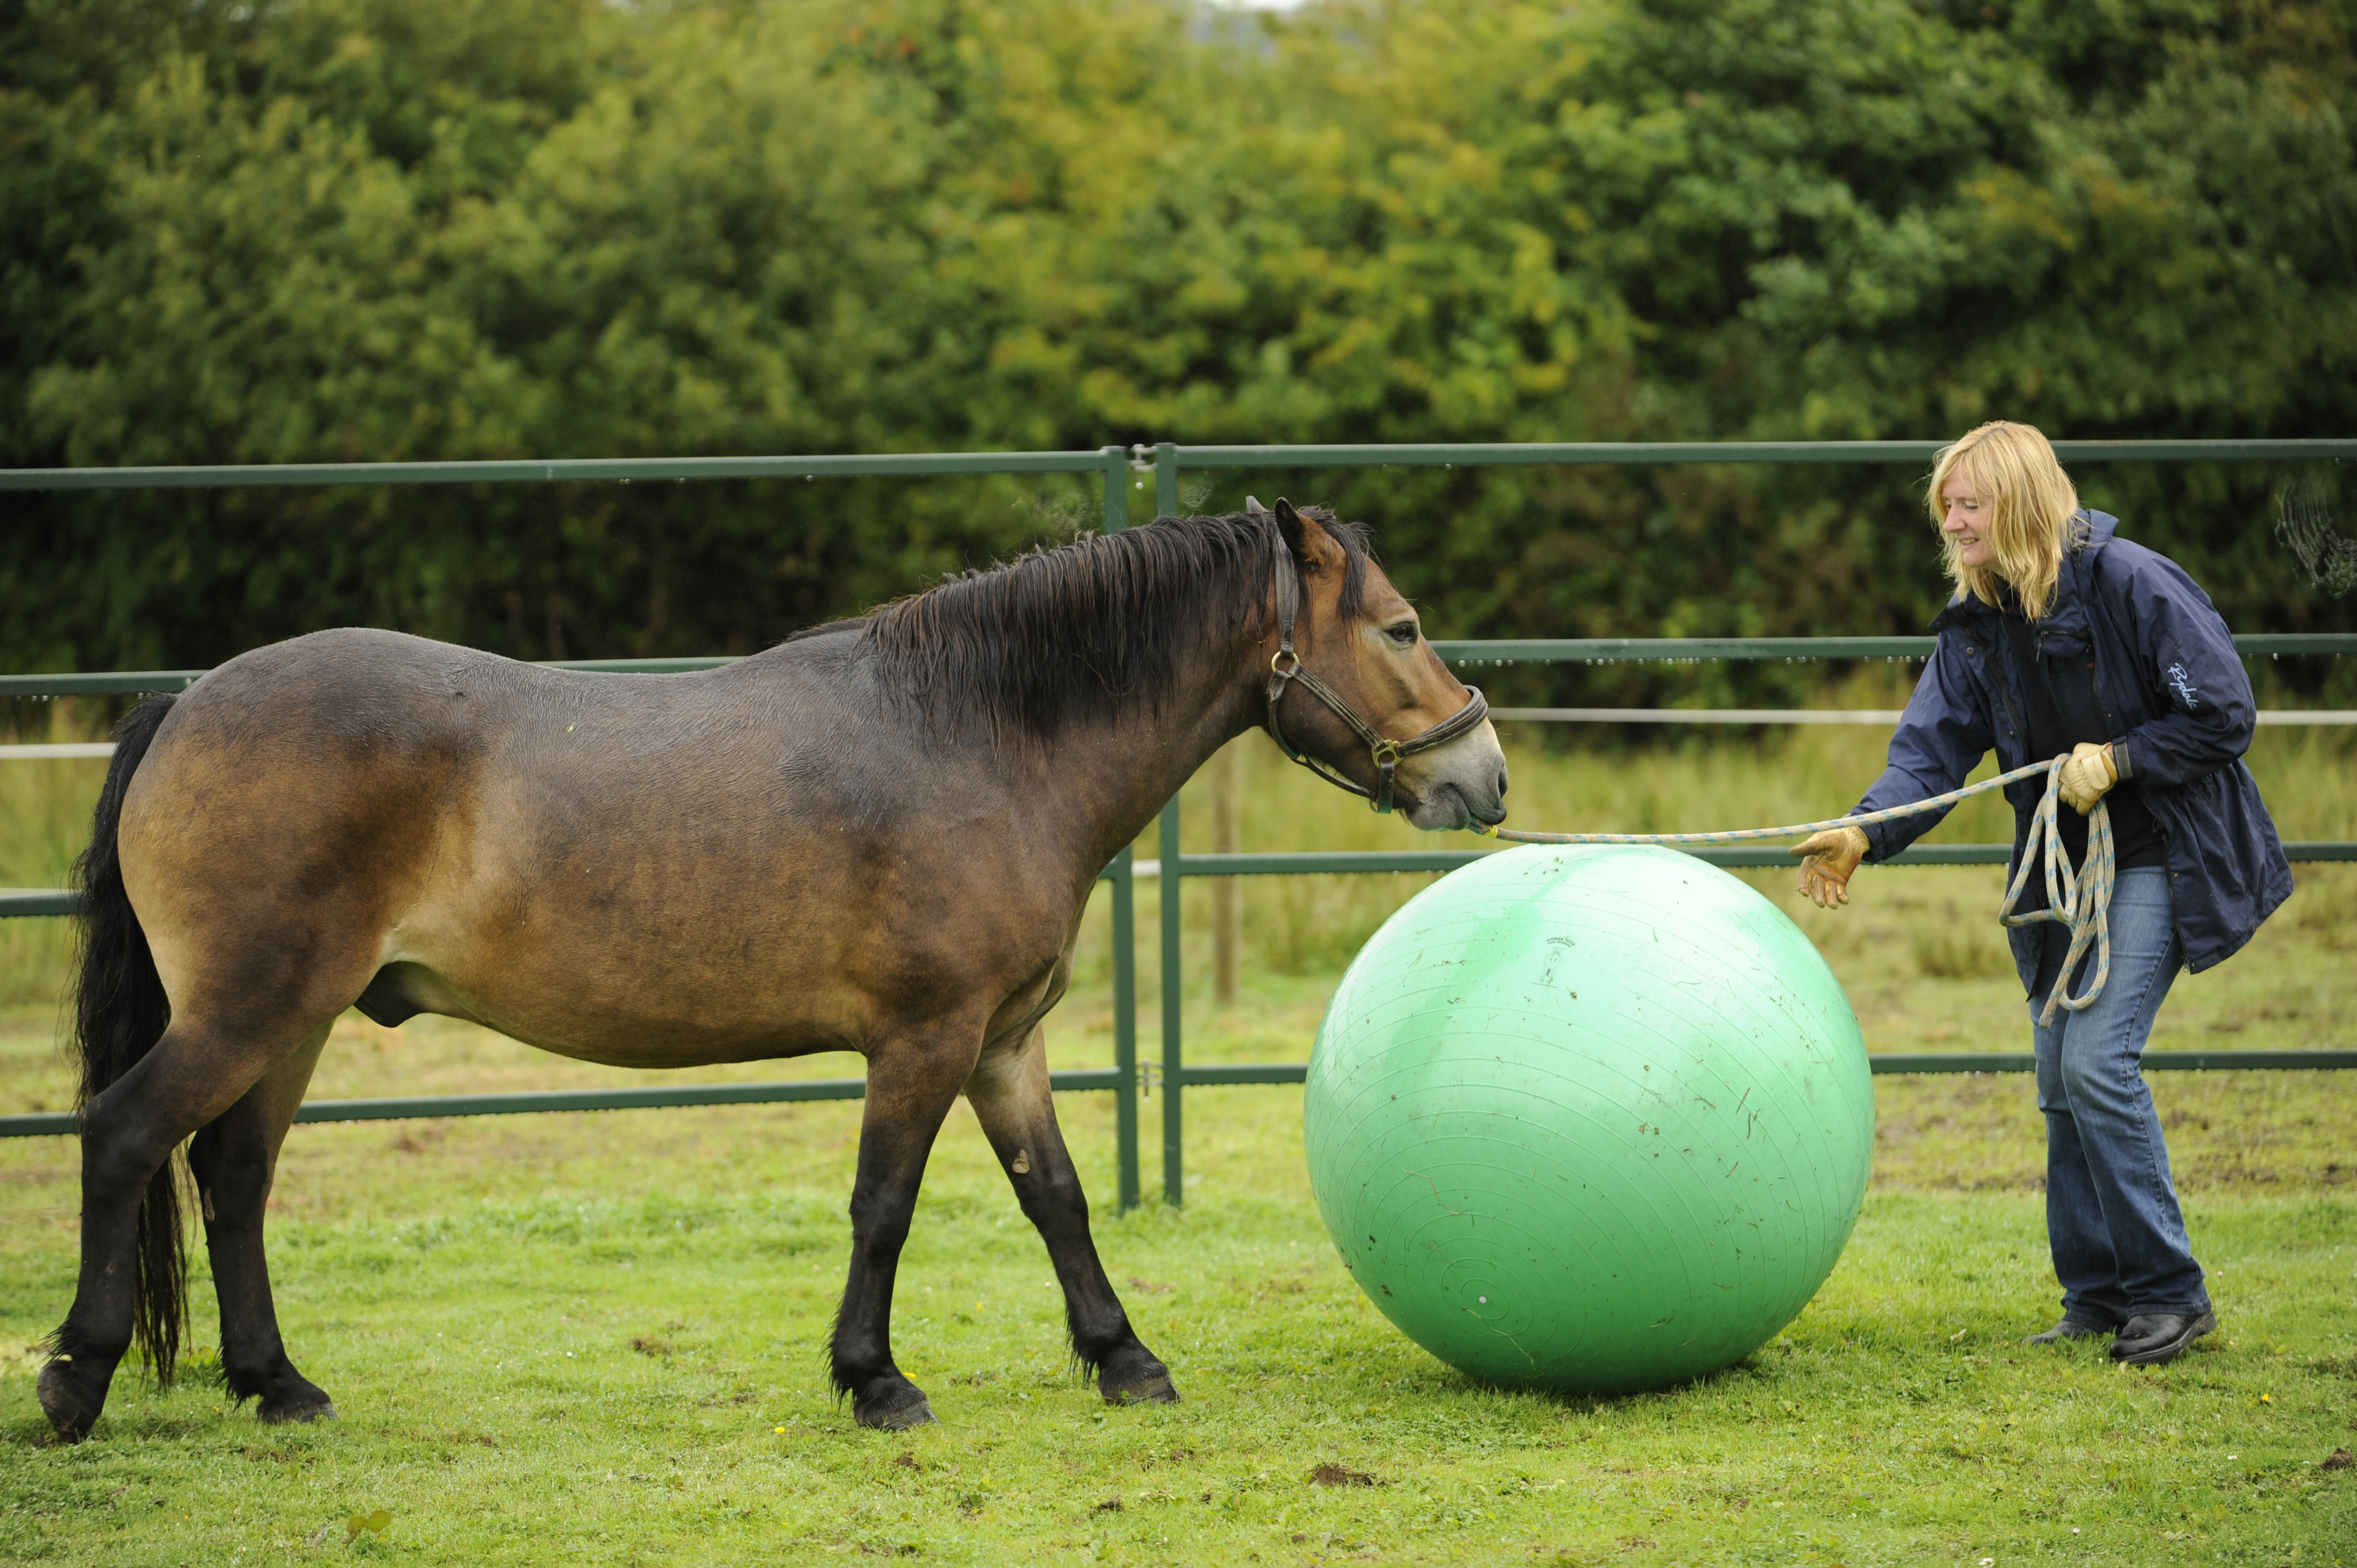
(2080, 900)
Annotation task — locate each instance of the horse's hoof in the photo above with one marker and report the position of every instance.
(70, 1413)
(287, 1395)
(1156, 1387)
(288, 1411)
(897, 1412)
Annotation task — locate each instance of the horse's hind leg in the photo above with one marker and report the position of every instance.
(234, 1160)
(1010, 1095)
(192, 1075)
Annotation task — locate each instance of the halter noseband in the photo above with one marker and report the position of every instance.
(1285, 669)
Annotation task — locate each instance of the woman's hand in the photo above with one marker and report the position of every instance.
(1828, 858)
(2087, 776)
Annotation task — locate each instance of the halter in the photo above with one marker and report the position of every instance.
(1285, 669)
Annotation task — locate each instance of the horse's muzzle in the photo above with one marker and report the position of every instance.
(1459, 785)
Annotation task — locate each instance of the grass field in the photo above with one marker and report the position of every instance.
(598, 1338)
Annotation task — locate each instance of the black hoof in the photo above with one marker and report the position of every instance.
(1157, 1389)
(286, 1412)
(70, 1404)
(1136, 1378)
(287, 1395)
(894, 1409)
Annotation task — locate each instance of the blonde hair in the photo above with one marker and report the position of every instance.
(2029, 503)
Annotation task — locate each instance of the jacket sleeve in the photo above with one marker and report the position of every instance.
(1940, 738)
(2203, 712)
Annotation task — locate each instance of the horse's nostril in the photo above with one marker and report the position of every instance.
(1502, 783)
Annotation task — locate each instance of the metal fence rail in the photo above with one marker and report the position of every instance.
(1885, 717)
(1166, 460)
(907, 465)
(60, 1123)
(1470, 652)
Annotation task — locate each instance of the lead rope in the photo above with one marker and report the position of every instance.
(2080, 900)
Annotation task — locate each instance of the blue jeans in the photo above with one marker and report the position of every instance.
(2111, 1210)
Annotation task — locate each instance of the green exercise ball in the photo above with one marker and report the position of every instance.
(1591, 1118)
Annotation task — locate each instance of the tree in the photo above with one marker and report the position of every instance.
(347, 230)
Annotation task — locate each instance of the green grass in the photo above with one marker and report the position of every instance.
(590, 1362)
(575, 1337)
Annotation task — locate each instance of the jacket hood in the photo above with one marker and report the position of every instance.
(2066, 616)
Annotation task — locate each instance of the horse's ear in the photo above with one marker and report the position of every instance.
(1288, 523)
(1308, 539)
(1253, 507)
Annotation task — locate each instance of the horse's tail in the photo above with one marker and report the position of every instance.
(120, 1012)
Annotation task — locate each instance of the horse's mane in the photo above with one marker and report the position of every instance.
(1081, 630)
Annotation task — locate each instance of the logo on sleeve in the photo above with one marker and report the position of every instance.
(2182, 684)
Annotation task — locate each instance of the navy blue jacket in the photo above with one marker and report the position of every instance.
(2179, 708)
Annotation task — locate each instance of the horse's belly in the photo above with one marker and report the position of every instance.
(641, 1024)
(741, 939)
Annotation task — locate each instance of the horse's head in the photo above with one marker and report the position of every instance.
(1356, 693)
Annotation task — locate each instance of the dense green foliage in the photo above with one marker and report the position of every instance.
(347, 230)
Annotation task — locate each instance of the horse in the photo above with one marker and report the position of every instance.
(878, 835)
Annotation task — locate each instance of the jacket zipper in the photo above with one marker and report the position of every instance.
(2086, 591)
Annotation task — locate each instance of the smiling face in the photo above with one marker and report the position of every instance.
(2005, 510)
(1964, 517)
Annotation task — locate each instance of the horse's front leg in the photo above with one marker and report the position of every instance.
(1011, 1095)
(912, 1081)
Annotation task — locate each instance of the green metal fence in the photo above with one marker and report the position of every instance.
(1166, 461)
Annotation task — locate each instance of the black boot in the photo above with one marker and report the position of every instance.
(2072, 1327)
(2149, 1339)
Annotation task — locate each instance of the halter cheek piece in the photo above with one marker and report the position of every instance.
(1285, 670)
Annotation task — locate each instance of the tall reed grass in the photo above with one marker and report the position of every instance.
(44, 808)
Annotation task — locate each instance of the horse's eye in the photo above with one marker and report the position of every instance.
(1404, 633)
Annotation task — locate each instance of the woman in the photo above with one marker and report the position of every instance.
(2064, 638)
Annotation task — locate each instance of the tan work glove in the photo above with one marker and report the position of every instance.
(1828, 858)
(2087, 775)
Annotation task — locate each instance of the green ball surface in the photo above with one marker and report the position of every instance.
(1589, 1119)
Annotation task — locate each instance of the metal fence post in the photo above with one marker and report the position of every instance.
(1165, 479)
(1124, 1027)
(1166, 504)
(1116, 488)
(1124, 920)
(1173, 1058)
